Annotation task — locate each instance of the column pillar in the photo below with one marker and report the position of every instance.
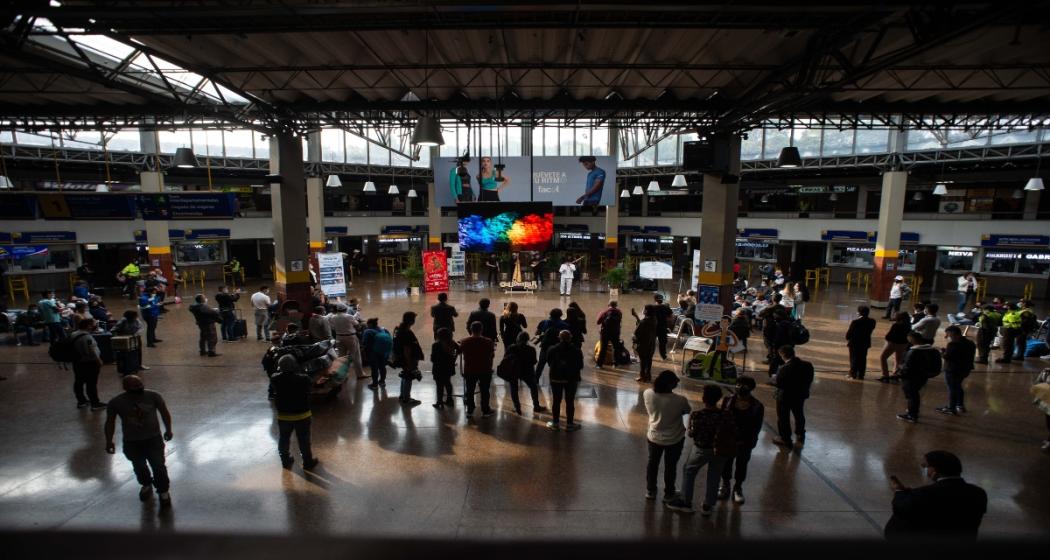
(433, 219)
(288, 199)
(157, 240)
(887, 245)
(612, 212)
(718, 231)
(1031, 204)
(315, 214)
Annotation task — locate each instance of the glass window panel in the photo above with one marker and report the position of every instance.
(647, 157)
(125, 140)
(170, 140)
(238, 143)
(583, 141)
(566, 140)
(923, 140)
(751, 147)
(537, 141)
(30, 139)
(7, 136)
(262, 146)
(463, 143)
(955, 258)
(1001, 261)
(667, 151)
(600, 142)
(378, 155)
(424, 158)
(207, 142)
(85, 139)
(356, 149)
(550, 141)
(397, 139)
(775, 141)
(1000, 137)
(399, 160)
(332, 145)
(199, 252)
(962, 139)
(872, 141)
(514, 141)
(449, 148)
(1034, 263)
(838, 142)
(853, 255)
(807, 140)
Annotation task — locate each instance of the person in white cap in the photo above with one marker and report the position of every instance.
(896, 295)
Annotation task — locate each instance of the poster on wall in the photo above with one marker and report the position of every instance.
(330, 274)
(694, 277)
(574, 181)
(457, 263)
(478, 180)
(655, 270)
(435, 271)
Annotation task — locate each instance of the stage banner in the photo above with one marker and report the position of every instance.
(435, 271)
(331, 275)
(567, 181)
(455, 180)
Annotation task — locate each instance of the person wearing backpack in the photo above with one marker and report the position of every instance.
(748, 413)
(958, 363)
(522, 356)
(87, 363)
(486, 318)
(922, 363)
(988, 323)
(714, 442)
(377, 343)
(566, 364)
(610, 322)
(782, 326)
(1029, 325)
(547, 335)
(478, 352)
(577, 321)
(793, 381)
(206, 318)
(443, 359)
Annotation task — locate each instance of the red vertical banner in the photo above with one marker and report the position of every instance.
(435, 271)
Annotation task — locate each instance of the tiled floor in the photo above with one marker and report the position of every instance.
(388, 470)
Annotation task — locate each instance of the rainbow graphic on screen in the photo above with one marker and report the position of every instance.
(512, 226)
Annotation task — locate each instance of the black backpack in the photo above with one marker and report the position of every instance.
(550, 336)
(1029, 323)
(799, 334)
(64, 351)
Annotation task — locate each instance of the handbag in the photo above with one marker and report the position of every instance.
(506, 369)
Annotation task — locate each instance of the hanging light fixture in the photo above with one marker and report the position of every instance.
(789, 157)
(5, 183)
(428, 132)
(392, 190)
(412, 193)
(1018, 194)
(917, 196)
(637, 190)
(370, 187)
(101, 187)
(185, 159)
(834, 197)
(765, 199)
(940, 189)
(623, 194)
(679, 181)
(653, 186)
(1033, 184)
(333, 181)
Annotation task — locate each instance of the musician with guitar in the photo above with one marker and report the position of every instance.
(568, 272)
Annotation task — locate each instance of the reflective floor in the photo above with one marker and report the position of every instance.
(389, 470)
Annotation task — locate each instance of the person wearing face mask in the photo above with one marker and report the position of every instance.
(143, 442)
(948, 508)
(747, 412)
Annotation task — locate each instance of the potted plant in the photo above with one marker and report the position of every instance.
(413, 273)
(615, 277)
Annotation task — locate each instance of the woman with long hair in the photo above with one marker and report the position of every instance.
(443, 357)
(490, 182)
(577, 321)
(789, 295)
(510, 324)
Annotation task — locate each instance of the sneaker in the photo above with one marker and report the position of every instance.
(83, 404)
(202, 353)
(960, 409)
(539, 409)
(907, 418)
(144, 368)
(946, 410)
(98, 406)
(738, 496)
(553, 426)
(884, 379)
(287, 463)
(145, 493)
(488, 413)
(382, 383)
(438, 405)
(800, 440)
(782, 443)
(311, 464)
(678, 505)
(723, 491)
(449, 402)
(373, 386)
(213, 355)
(470, 412)
(705, 510)
(165, 500)
(410, 402)
(668, 498)
(572, 427)
(650, 494)
(155, 340)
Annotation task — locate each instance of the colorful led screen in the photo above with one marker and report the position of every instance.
(502, 226)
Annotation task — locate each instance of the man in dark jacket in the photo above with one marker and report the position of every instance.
(858, 340)
(547, 332)
(988, 323)
(792, 381)
(748, 413)
(206, 318)
(610, 321)
(292, 388)
(566, 360)
(478, 352)
(778, 330)
(948, 508)
(443, 314)
(958, 363)
(769, 328)
(662, 312)
(486, 318)
(921, 363)
(227, 311)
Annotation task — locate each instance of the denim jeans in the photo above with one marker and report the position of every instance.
(698, 457)
(53, 332)
(786, 408)
(569, 391)
(302, 435)
(670, 454)
(472, 382)
(955, 390)
(894, 306)
(444, 388)
(378, 365)
(85, 375)
(228, 320)
(911, 390)
(151, 329)
(28, 330)
(963, 298)
(736, 467)
(406, 386)
(147, 459)
(534, 391)
(262, 324)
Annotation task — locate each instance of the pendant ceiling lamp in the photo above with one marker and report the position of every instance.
(679, 181)
(765, 198)
(1018, 194)
(412, 193)
(392, 190)
(370, 187)
(185, 159)
(917, 196)
(333, 181)
(789, 157)
(428, 132)
(834, 197)
(654, 186)
(623, 194)
(637, 190)
(1033, 184)
(940, 190)
(5, 183)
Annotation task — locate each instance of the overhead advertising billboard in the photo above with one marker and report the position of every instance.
(479, 180)
(514, 226)
(574, 181)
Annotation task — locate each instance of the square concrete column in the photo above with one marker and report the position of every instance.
(315, 216)
(718, 241)
(433, 219)
(157, 240)
(612, 230)
(887, 244)
(288, 199)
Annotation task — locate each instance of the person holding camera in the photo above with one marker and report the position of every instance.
(407, 354)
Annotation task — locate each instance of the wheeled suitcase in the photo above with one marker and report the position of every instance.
(104, 341)
(240, 326)
(128, 362)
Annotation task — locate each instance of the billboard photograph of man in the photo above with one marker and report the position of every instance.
(592, 194)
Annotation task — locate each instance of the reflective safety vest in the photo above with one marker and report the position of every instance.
(1012, 320)
(990, 320)
(131, 270)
